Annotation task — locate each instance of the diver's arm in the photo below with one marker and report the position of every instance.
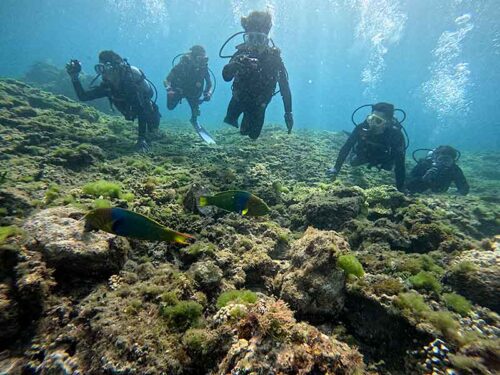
(231, 68)
(286, 94)
(346, 149)
(229, 71)
(94, 93)
(461, 181)
(208, 83)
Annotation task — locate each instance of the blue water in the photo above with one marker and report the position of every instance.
(438, 60)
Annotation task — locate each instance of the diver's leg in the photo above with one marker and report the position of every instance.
(195, 109)
(173, 98)
(152, 115)
(142, 144)
(252, 121)
(257, 121)
(234, 110)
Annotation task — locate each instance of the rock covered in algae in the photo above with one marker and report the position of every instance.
(313, 286)
(270, 341)
(326, 211)
(59, 235)
(476, 275)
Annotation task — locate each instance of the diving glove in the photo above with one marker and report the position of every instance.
(289, 121)
(74, 67)
(207, 96)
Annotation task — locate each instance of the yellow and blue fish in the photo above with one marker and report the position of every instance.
(242, 202)
(130, 224)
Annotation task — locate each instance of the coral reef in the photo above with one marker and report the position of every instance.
(343, 277)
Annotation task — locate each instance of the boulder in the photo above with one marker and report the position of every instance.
(60, 237)
(313, 286)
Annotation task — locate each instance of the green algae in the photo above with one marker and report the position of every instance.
(197, 342)
(426, 280)
(413, 303)
(457, 303)
(182, 315)
(236, 296)
(9, 231)
(102, 203)
(351, 265)
(388, 286)
(52, 193)
(464, 267)
(103, 188)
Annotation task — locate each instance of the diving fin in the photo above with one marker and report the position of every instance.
(203, 133)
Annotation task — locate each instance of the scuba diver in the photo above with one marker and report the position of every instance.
(437, 171)
(127, 89)
(378, 141)
(190, 78)
(255, 67)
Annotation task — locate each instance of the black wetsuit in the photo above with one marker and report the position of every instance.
(385, 150)
(438, 180)
(132, 98)
(254, 86)
(188, 81)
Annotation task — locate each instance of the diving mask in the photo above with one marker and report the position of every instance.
(444, 161)
(104, 68)
(200, 60)
(375, 122)
(256, 39)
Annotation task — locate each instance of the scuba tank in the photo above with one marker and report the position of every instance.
(400, 122)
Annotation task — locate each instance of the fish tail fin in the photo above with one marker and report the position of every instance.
(203, 201)
(177, 237)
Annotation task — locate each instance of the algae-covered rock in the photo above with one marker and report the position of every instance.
(206, 274)
(302, 349)
(475, 274)
(314, 286)
(60, 237)
(15, 201)
(331, 212)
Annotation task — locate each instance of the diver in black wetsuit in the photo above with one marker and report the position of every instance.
(379, 142)
(256, 68)
(127, 89)
(437, 171)
(190, 78)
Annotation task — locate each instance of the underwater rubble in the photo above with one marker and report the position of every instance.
(344, 277)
